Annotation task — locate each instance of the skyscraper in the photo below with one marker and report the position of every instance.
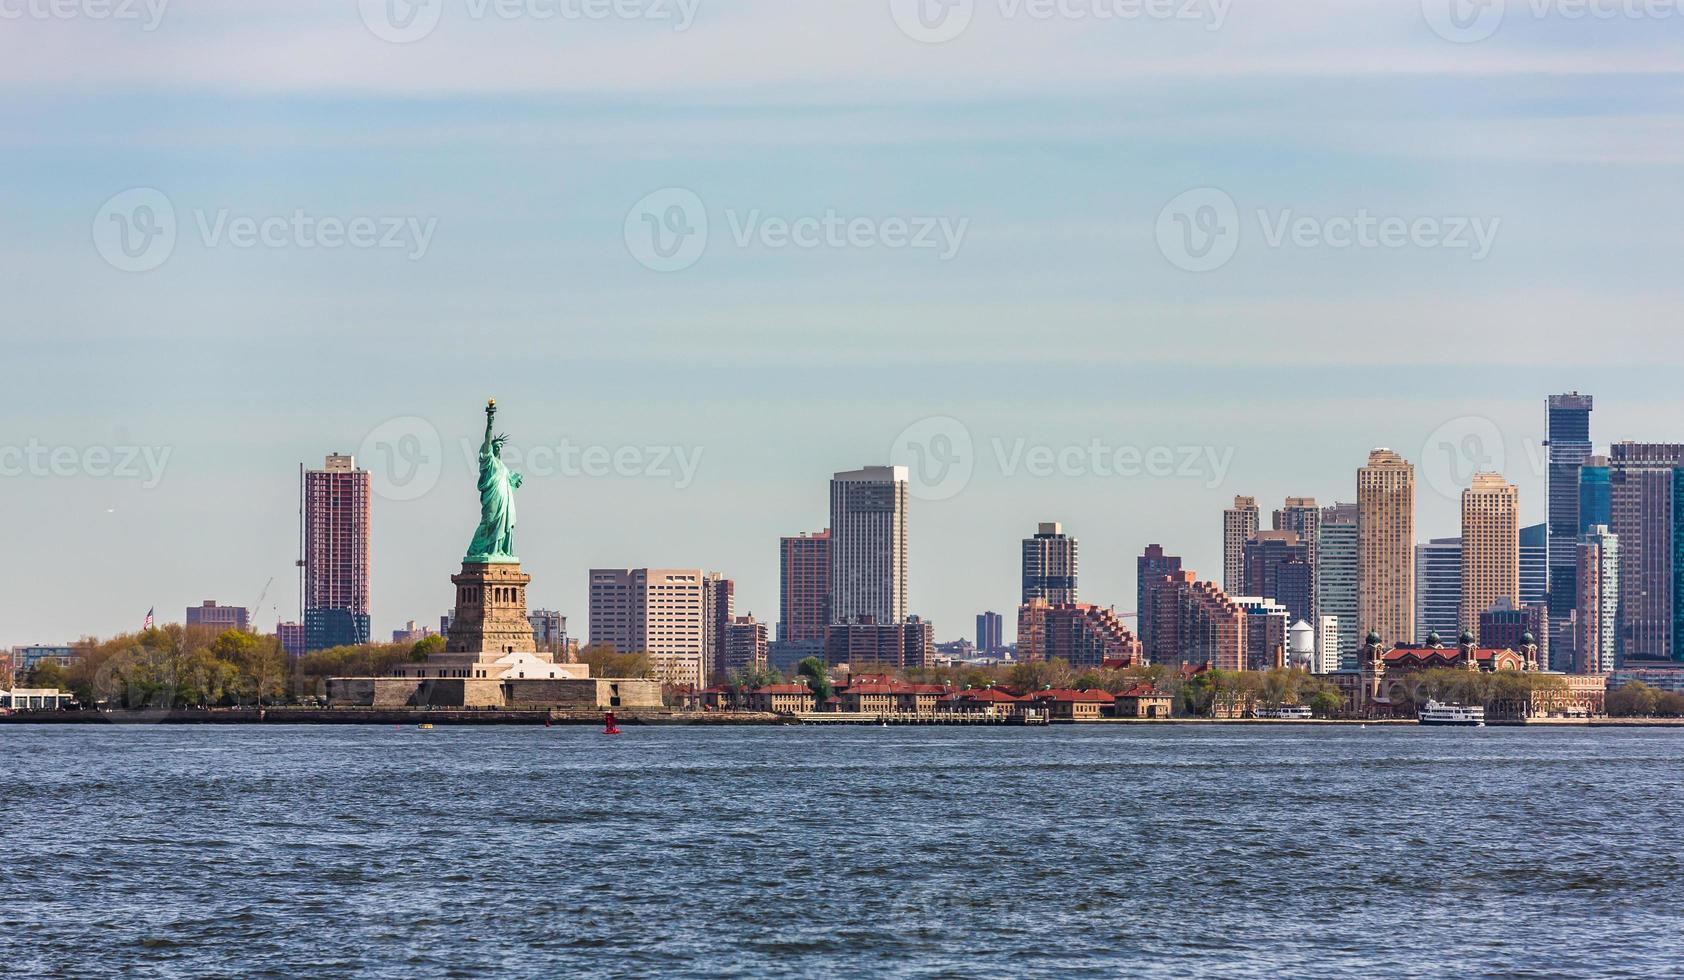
(1277, 567)
(1336, 579)
(1567, 431)
(1239, 523)
(1595, 503)
(719, 596)
(1534, 565)
(1152, 565)
(868, 545)
(1643, 486)
(1301, 516)
(337, 510)
(804, 587)
(1049, 565)
(744, 646)
(1438, 589)
(658, 611)
(1386, 547)
(990, 633)
(1596, 645)
(1490, 546)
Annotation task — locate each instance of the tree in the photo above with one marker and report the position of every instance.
(817, 676)
(426, 647)
(1326, 702)
(1633, 700)
(47, 674)
(607, 662)
(1029, 676)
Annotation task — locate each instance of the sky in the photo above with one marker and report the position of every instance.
(1102, 262)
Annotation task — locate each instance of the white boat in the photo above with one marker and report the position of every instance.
(1462, 715)
(1286, 712)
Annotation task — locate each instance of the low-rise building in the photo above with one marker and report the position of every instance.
(986, 703)
(1068, 705)
(879, 694)
(783, 699)
(34, 699)
(1144, 701)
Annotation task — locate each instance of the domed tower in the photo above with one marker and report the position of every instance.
(1529, 650)
(1434, 641)
(1373, 665)
(1470, 650)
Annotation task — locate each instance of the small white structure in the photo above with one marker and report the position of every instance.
(1301, 647)
(34, 699)
(528, 667)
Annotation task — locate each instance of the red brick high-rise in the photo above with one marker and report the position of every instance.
(337, 506)
(804, 587)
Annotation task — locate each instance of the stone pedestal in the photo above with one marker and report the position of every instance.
(490, 619)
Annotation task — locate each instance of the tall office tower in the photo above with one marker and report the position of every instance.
(1152, 565)
(1327, 645)
(1277, 567)
(868, 545)
(1567, 431)
(990, 636)
(1082, 634)
(1534, 565)
(658, 611)
(1301, 516)
(1239, 523)
(804, 587)
(1336, 578)
(549, 631)
(1194, 623)
(1644, 483)
(1386, 547)
(1049, 565)
(719, 596)
(745, 645)
(1268, 628)
(1595, 501)
(337, 507)
(1490, 546)
(1438, 590)
(1597, 643)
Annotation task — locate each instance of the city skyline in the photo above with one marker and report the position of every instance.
(926, 522)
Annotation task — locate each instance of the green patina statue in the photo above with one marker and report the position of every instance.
(494, 541)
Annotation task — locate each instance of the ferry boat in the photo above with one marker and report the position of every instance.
(1286, 712)
(1438, 713)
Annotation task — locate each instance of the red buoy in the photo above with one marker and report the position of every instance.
(609, 727)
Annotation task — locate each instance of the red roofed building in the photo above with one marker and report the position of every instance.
(988, 702)
(1144, 701)
(878, 694)
(783, 699)
(1369, 691)
(1067, 705)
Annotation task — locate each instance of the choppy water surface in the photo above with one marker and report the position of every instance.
(155, 851)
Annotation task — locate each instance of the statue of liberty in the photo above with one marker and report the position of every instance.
(494, 541)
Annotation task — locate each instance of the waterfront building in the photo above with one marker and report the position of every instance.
(658, 611)
(1239, 523)
(1337, 577)
(782, 699)
(1490, 546)
(990, 638)
(1380, 687)
(221, 618)
(902, 645)
(804, 586)
(1277, 566)
(1567, 431)
(868, 545)
(1049, 565)
(337, 510)
(1144, 701)
(34, 699)
(1438, 588)
(1151, 565)
(880, 694)
(1062, 704)
(1597, 639)
(745, 645)
(1644, 487)
(1080, 633)
(1386, 545)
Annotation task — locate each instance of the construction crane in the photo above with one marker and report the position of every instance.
(257, 607)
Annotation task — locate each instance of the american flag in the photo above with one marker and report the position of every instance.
(148, 623)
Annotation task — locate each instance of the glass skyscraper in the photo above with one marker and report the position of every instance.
(1567, 431)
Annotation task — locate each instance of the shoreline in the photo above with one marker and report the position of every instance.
(712, 719)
